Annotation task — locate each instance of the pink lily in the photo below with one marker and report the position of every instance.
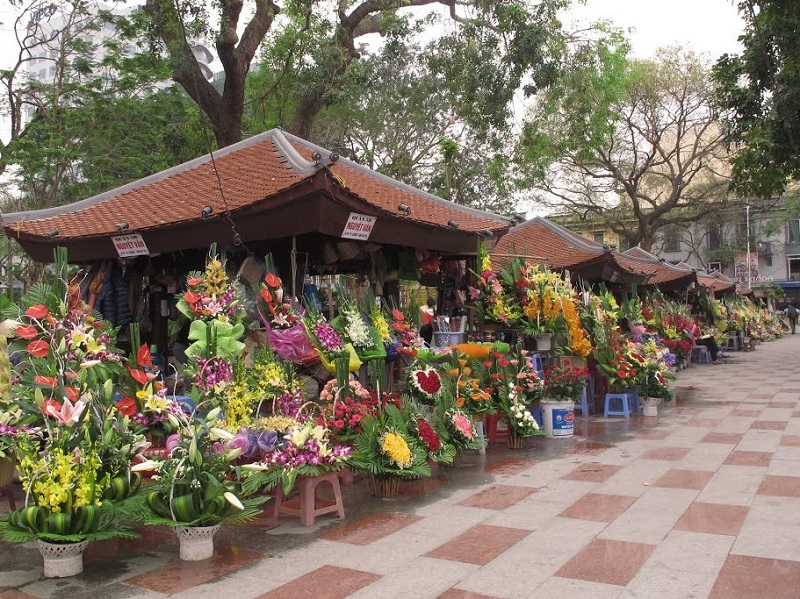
(69, 413)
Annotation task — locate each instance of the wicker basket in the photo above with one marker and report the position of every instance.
(383, 486)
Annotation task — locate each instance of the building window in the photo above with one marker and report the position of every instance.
(599, 238)
(712, 266)
(714, 237)
(793, 231)
(672, 240)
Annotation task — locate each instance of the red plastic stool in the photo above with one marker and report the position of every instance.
(493, 433)
(306, 505)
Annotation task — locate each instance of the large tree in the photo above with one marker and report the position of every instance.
(758, 92)
(491, 50)
(632, 145)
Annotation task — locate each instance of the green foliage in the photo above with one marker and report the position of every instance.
(756, 91)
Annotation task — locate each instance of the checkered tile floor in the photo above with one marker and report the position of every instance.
(703, 501)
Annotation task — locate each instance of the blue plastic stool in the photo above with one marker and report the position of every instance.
(633, 397)
(538, 364)
(184, 401)
(583, 404)
(538, 415)
(623, 410)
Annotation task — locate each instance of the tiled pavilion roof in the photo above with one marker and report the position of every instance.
(273, 185)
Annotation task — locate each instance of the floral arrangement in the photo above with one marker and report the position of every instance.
(461, 430)
(492, 301)
(356, 330)
(210, 296)
(406, 333)
(345, 411)
(386, 446)
(520, 420)
(282, 312)
(198, 484)
(305, 450)
(578, 343)
(564, 383)
(541, 294)
(468, 389)
(424, 383)
(439, 450)
(654, 381)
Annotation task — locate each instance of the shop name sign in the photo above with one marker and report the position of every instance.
(130, 245)
(358, 226)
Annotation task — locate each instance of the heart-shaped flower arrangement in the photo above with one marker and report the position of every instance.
(426, 381)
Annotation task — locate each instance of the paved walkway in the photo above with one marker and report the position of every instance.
(703, 501)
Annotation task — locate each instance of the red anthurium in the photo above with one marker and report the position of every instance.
(72, 393)
(38, 348)
(127, 406)
(266, 295)
(49, 381)
(38, 311)
(272, 280)
(191, 297)
(48, 403)
(194, 281)
(26, 331)
(143, 357)
(138, 375)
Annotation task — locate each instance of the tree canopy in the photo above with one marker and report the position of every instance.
(758, 93)
(632, 145)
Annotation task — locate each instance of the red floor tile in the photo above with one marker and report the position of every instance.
(796, 414)
(731, 438)
(747, 413)
(509, 466)
(783, 486)
(704, 422)
(769, 425)
(749, 458)
(595, 473)
(713, 518)
(179, 576)
(15, 594)
(604, 560)
(782, 404)
(498, 497)
(480, 544)
(421, 487)
(598, 507)
(761, 395)
(588, 448)
(684, 479)
(371, 528)
(790, 441)
(327, 582)
(671, 454)
(459, 594)
(654, 434)
(745, 577)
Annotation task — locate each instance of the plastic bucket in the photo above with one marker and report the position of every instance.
(559, 418)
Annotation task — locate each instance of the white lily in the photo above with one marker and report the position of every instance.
(233, 500)
(256, 467)
(220, 433)
(145, 466)
(213, 414)
(233, 454)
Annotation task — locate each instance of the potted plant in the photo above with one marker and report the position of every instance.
(563, 385)
(653, 387)
(198, 486)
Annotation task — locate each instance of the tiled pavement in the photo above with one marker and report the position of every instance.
(703, 501)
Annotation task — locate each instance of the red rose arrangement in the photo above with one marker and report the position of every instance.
(428, 436)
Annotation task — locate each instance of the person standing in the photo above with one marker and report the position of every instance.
(791, 312)
(426, 314)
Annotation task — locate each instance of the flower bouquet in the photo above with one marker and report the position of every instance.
(424, 383)
(439, 450)
(330, 345)
(345, 410)
(387, 451)
(564, 383)
(356, 330)
(520, 421)
(197, 487)
(282, 319)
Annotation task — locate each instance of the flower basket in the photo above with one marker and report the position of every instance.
(196, 542)
(456, 460)
(62, 560)
(6, 472)
(383, 486)
(515, 441)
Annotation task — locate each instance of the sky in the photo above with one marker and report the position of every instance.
(705, 26)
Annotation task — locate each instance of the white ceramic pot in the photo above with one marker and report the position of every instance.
(196, 542)
(544, 341)
(62, 560)
(650, 406)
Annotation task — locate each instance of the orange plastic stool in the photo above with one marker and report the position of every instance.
(307, 505)
(493, 433)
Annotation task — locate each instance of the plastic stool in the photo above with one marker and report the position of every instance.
(492, 432)
(583, 405)
(733, 343)
(538, 364)
(308, 500)
(633, 400)
(701, 355)
(623, 410)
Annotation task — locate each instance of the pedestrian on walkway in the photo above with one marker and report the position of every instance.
(791, 312)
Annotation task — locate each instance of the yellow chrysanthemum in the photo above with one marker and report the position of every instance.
(396, 448)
